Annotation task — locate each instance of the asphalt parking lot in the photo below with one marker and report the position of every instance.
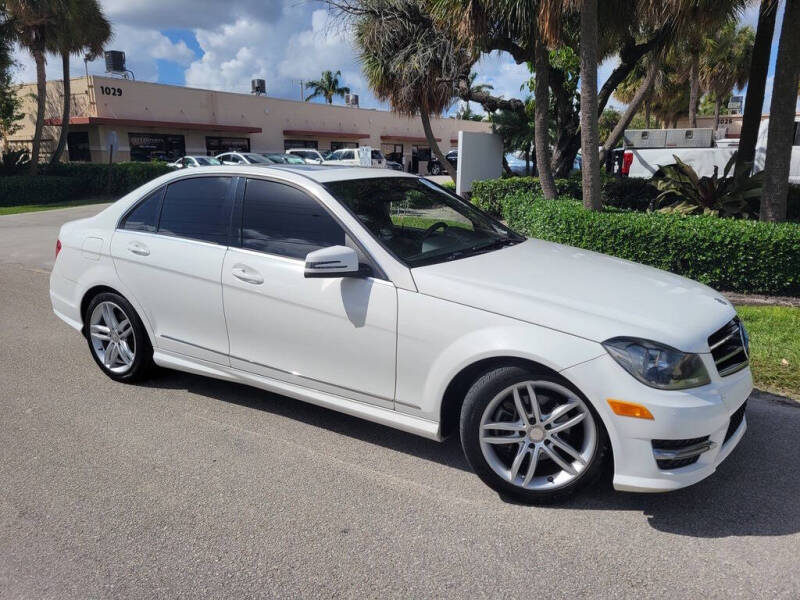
(186, 487)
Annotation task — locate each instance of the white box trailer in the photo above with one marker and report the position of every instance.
(644, 162)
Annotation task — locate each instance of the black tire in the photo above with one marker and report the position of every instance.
(142, 365)
(436, 169)
(489, 387)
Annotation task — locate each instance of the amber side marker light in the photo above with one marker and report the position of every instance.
(629, 409)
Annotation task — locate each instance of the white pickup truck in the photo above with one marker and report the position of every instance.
(647, 149)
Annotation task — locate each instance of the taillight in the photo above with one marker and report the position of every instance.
(58, 247)
(627, 161)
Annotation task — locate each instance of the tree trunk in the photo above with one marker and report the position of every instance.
(647, 114)
(62, 138)
(632, 109)
(717, 103)
(781, 117)
(41, 100)
(426, 126)
(754, 101)
(541, 118)
(590, 167)
(694, 88)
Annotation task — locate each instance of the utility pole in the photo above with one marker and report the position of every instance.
(302, 84)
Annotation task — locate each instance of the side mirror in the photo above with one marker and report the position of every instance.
(335, 261)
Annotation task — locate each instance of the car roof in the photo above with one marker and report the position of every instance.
(317, 173)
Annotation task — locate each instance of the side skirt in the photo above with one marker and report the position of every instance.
(376, 414)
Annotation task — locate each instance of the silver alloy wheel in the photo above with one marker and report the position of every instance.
(537, 435)
(111, 333)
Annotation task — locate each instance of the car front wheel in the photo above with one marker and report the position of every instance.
(117, 338)
(436, 169)
(531, 436)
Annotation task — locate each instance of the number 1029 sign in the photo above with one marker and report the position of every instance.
(106, 90)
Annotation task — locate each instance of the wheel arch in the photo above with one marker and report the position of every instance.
(95, 290)
(453, 398)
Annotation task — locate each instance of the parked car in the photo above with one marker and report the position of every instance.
(310, 155)
(283, 159)
(384, 296)
(188, 162)
(518, 166)
(436, 168)
(349, 157)
(395, 166)
(242, 158)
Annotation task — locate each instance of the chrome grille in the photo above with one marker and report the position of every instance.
(728, 348)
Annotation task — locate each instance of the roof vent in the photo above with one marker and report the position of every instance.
(351, 100)
(258, 87)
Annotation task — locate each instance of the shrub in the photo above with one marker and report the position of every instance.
(73, 181)
(16, 190)
(728, 254)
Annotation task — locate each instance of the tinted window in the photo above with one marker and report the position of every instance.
(145, 216)
(197, 208)
(279, 219)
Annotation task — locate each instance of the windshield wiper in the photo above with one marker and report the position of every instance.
(480, 249)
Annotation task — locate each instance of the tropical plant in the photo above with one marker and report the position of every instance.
(684, 192)
(327, 87)
(34, 23)
(725, 62)
(465, 113)
(10, 103)
(517, 130)
(83, 29)
(782, 108)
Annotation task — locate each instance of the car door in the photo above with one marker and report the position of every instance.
(336, 335)
(168, 252)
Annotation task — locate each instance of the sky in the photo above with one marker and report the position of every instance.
(223, 45)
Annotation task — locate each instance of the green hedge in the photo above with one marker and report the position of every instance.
(727, 254)
(74, 181)
(634, 193)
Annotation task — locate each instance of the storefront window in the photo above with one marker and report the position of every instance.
(218, 145)
(156, 146)
(289, 144)
(78, 146)
(339, 145)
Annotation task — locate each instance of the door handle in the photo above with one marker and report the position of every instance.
(137, 248)
(247, 274)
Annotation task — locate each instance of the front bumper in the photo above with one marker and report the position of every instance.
(677, 415)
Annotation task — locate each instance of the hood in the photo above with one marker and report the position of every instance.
(583, 293)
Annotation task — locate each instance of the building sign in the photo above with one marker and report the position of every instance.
(156, 146)
(218, 145)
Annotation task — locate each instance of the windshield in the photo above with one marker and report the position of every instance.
(293, 160)
(419, 222)
(256, 158)
(202, 160)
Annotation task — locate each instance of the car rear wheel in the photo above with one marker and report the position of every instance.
(531, 436)
(117, 338)
(436, 169)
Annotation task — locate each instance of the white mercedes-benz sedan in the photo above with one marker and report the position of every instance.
(382, 295)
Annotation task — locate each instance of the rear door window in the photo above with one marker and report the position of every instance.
(198, 208)
(144, 217)
(279, 219)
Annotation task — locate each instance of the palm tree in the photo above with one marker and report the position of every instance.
(327, 87)
(781, 117)
(34, 21)
(541, 117)
(406, 60)
(590, 165)
(477, 88)
(725, 62)
(754, 101)
(84, 29)
(10, 103)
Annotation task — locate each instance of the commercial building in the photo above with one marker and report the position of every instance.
(120, 119)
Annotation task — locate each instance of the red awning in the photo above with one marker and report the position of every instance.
(407, 138)
(345, 135)
(160, 124)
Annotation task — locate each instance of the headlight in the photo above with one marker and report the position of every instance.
(657, 365)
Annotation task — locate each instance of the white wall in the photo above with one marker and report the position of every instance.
(480, 156)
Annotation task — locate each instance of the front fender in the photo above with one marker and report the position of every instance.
(433, 351)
